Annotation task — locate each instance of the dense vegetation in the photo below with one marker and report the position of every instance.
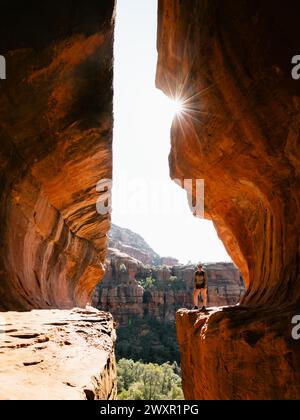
(148, 339)
(140, 381)
(151, 283)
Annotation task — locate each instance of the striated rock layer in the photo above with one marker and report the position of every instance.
(56, 132)
(57, 355)
(124, 291)
(231, 64)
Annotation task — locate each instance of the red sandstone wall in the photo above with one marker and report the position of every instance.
(56, 133)
(231, 61)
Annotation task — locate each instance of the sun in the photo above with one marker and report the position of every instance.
(176, 106)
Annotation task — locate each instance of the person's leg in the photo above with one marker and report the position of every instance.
(204, 297)
(196, 296)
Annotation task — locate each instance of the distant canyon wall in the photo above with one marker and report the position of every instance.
(123, 291)
(132, 244)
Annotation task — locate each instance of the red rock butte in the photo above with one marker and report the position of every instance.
(231, 64)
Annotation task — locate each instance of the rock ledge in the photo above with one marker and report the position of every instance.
(57, 355)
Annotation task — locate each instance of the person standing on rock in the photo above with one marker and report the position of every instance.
(200, 286)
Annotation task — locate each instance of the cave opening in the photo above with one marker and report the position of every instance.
(149, 208)
(56, 135)
(145, 199)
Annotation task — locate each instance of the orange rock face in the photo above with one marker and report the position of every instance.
(230, 62)
(238, 353)
(56, 133)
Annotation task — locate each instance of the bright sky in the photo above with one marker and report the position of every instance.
(145, 199)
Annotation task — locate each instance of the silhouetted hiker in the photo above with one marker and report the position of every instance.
(200, 286)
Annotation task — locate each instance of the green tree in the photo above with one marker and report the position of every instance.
(176, 283)
(147, 283)
(123, 268)
(159, 345)
(140, 381)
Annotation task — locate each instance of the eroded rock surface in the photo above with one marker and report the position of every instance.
(57, 355)
(56, 133)
(238, 353)
(239, 131)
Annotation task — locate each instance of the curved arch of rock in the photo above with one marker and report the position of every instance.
(231, 62)
(56, 133)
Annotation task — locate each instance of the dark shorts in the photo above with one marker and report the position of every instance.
(200, 286)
